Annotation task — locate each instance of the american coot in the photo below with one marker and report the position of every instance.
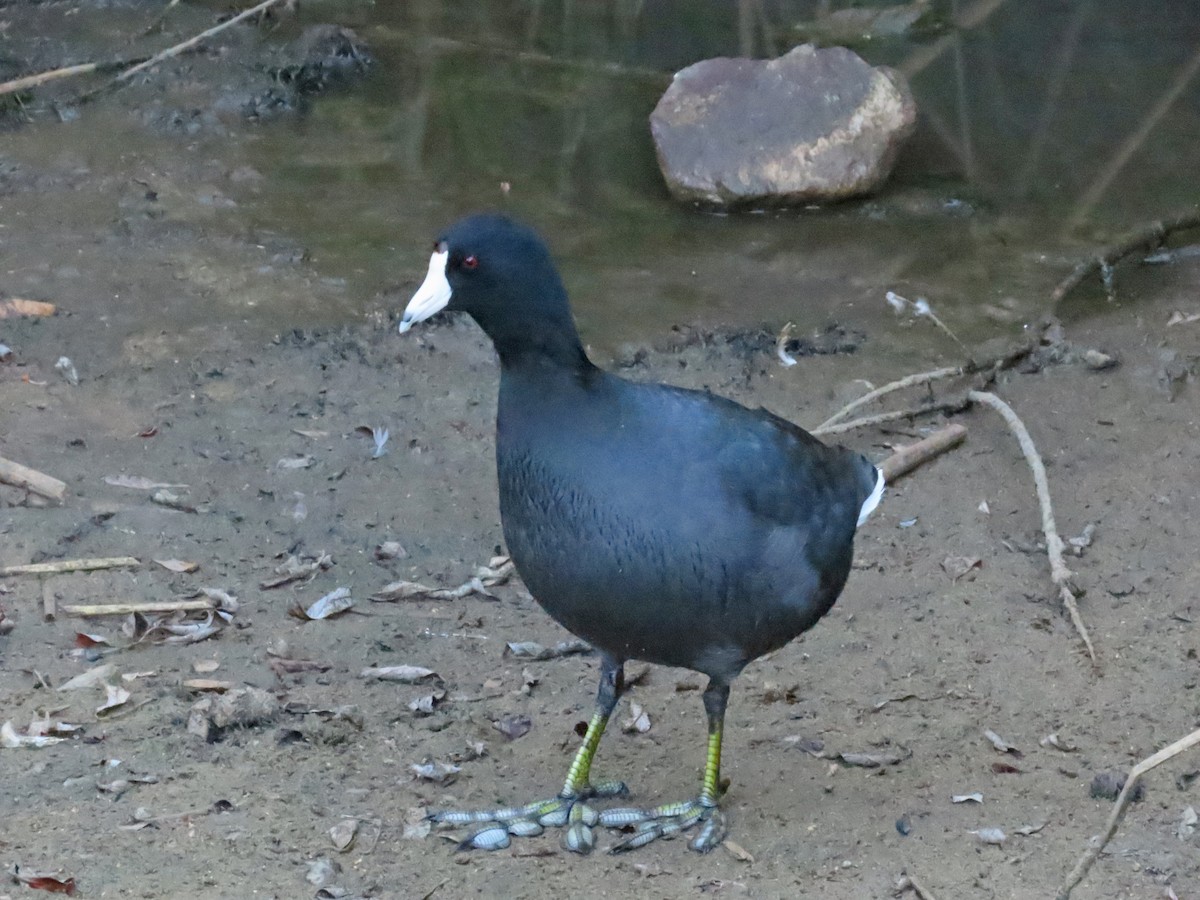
(657, 523)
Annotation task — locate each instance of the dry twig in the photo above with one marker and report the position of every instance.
(1118, 812)
(125, 609)
(191, 42)
(72, 565)
(909, 381)
(1059, 573)
(1145, 237)
(905, 460)
(17, 85)
(950, 406)
(31, 480)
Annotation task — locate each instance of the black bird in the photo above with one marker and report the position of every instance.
(657, 523)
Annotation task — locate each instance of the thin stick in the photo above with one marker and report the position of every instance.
(1118, 811)
(1144, 237)
(905, 460)
(32, 81)
(49, 601)
(193, 41)
(1059, 573)
(125, 609)
(72, 565)
(892, 416)
(1133, 143)
(31, 480)
(906, 382)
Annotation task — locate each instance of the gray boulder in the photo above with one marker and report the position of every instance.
(811, 126)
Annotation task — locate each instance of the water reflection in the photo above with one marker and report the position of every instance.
(1042, 126)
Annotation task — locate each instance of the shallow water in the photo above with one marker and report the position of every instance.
(1044, 130)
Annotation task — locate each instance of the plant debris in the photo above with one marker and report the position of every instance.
(534, 650)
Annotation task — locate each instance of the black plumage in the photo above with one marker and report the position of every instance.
(657, 523)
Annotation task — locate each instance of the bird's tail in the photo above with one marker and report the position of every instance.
(873, 485)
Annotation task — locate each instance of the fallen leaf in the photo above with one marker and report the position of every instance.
(179, 566)
(1000, 744)
(89, 678)
(967, 798)
(53, 884)
(85, 640)
(638, 721)
(403, 674)
(116, 696)
(343, 834)
(332, 604)
(739, 852)
(960, 566)
(390, 550)
(513, 726)
(295, 462)
(438, 772)
(1053, 740)
(990, 835)
(1027, 830)
(424, 705)
(11, 740)
(534, 650)
(205, 666)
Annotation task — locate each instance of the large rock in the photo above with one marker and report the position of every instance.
(813, 125)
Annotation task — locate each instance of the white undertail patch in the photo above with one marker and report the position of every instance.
(872, 501)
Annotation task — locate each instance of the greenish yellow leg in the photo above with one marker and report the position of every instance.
(673, 818)
(710, 790)
(577, 783)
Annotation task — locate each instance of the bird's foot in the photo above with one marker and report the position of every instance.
(493, 827)
(667, 821)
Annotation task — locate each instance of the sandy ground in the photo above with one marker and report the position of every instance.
(911, 664)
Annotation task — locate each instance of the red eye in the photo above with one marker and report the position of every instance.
(470, 262)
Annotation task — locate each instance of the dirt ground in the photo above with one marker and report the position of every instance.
(259, 436)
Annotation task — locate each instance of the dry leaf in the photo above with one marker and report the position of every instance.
(11, 740)
(205, 666)
(402, 674)
(332, 604)
(1000, 744)
(967, 798)
(89, 678)
(638, 721)
(513, 726)
(739, 852)
(990, 835)
(116, 696)
(438, 772)
(295, 462)
(343, 833)
(179, 566)
(960, 566)
(424, 705)
(534, 650)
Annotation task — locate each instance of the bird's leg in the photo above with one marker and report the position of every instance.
(672, 818)
(568, 808)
